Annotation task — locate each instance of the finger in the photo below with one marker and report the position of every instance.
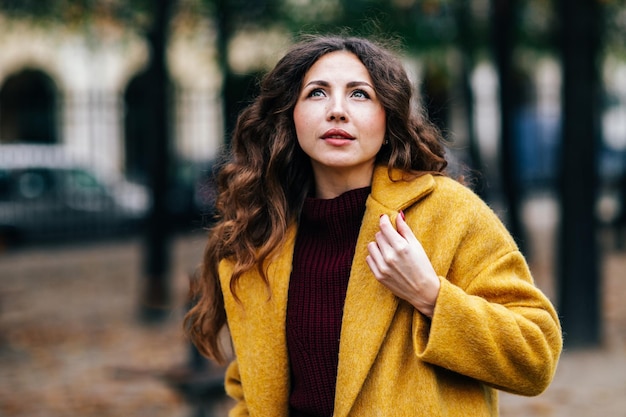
(403, 228)
(385, 233)
(374, 258)
(385, 222)
(391, 235)
(374, 252)
(373, 267)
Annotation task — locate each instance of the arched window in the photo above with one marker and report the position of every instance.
(28, 112)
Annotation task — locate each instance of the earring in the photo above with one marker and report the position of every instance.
(386, 142)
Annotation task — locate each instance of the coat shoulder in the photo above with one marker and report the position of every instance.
(451, 189)
(460, 199)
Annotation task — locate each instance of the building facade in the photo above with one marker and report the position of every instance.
(82, 87)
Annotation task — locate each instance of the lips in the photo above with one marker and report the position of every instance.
(337, 134)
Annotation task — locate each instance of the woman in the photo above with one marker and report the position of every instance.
(356, 278)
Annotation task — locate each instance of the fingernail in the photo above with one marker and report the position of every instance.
(402, 214)
(381, 216)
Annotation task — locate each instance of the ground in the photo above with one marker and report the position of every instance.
(72, 343)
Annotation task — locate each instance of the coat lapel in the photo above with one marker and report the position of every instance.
(259, 330)
(369, 307)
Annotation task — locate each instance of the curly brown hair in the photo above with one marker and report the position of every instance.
(263, 184)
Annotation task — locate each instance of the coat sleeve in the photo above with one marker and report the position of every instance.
(234, 390)
(505, 334)
(491, 322)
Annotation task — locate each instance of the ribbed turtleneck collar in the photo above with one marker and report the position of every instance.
(336, 214)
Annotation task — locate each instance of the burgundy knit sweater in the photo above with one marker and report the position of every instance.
(322, 258)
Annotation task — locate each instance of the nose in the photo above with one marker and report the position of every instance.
(337, 110)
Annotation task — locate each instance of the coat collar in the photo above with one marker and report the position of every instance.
(395, 191)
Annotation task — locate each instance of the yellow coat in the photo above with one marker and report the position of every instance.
(491, 328)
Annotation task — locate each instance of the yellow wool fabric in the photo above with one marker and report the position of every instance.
(492, 329)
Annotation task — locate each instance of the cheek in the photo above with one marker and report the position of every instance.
(304, 119)
(299, 122)
(299, 114)
(378, 122)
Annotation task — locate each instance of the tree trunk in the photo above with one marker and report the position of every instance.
(157, 253)
(579, 275)
(504, 44)
(467, 40)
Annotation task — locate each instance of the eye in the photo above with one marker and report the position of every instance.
(316, 92)
(360, 94)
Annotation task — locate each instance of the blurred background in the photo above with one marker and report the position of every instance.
(113, 114)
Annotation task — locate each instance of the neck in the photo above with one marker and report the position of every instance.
(332, 183)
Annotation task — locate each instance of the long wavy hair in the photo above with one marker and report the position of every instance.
(263, 184)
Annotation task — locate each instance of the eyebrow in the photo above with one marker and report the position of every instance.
(351, 84)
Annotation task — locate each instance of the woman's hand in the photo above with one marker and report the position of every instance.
(399, 262)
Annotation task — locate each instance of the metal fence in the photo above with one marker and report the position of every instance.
(94, 182)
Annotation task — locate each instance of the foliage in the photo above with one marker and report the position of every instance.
(615, 27)
(133, 13)
(427, 23)
(420, 24)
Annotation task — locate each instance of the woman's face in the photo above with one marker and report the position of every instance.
(339, 121)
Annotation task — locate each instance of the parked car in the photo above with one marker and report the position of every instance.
(45, 195)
